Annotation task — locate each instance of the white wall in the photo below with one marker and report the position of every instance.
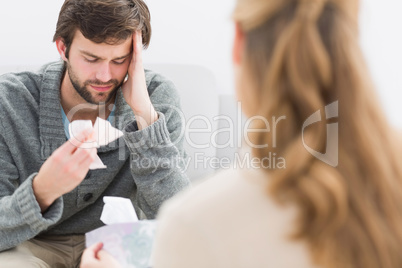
(382, 43)
(200, 32)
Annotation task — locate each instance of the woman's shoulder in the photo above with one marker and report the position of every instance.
(231, 218)
(222, 188)
(234, 197)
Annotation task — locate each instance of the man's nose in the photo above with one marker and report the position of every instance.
(104, 73)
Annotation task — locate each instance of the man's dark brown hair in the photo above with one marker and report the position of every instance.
(103, 21)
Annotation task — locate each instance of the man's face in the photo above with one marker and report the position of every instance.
(96, 71)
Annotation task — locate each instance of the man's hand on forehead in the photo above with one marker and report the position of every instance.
(137, 44)
(135, 89)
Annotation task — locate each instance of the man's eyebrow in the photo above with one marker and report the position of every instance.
(122, 57)
(97, 57)
(90, 54)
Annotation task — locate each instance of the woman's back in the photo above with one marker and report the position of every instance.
(300, 60)
(230, 223)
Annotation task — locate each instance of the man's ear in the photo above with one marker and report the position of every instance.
(238, 45)
(61, 48)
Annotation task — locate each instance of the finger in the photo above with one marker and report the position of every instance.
(93, 250)
(81, 161)
(64, 152)
(104, 256)
(96, 248)
(84, 139)
(82, 154)
(77, 141)
(137, 46)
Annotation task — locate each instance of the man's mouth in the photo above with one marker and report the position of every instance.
(101, 88)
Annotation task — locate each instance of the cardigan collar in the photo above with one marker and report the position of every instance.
(51, 127)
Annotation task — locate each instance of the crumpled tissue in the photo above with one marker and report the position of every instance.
(104, 133)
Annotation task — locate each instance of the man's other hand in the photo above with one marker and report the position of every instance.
(64, 170)
(95, 257)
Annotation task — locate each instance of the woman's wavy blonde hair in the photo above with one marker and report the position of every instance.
(303, 55)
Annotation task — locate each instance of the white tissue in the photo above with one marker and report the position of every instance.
(117, 210)
(104, 133)
(97, 163)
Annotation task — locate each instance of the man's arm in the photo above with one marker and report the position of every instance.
(157, 157)
(20, 214)
(155, 138)
(30, 207)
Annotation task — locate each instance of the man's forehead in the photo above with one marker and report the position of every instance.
(110, 41)
(120, 47)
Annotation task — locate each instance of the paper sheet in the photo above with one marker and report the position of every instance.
(130, 242)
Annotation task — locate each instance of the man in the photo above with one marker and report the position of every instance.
(48, 196)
